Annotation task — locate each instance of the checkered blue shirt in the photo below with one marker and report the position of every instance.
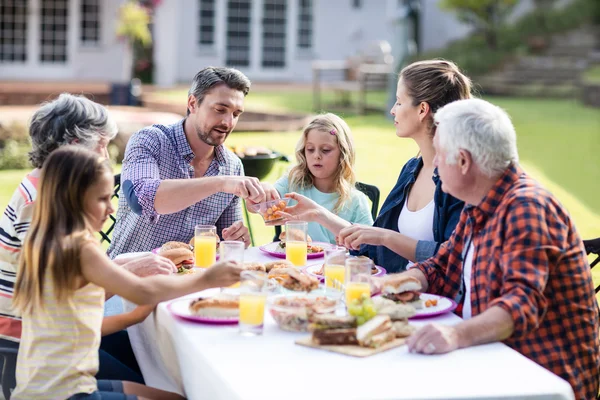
(157, 153)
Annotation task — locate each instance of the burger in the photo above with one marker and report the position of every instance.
(403, 289)
(180, 254)
(220, 306)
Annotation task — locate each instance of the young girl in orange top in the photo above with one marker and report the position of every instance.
(60, 285)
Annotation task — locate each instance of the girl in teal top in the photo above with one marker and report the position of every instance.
(325, 173)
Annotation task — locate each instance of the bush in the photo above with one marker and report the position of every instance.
(13, 155)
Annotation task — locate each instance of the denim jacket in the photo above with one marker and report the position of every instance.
(445, 217)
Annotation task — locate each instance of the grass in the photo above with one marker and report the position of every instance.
(592, 75)
(558, 141)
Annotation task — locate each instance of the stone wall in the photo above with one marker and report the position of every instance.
(590, 93)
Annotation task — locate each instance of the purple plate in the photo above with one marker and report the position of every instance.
(274, 250)
(155, 251)
(444, 305)
(181, 309)
(310, 270)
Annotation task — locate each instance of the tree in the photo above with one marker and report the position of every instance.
(485, 16)
(133, 27)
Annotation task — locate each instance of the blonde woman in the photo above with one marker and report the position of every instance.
(324, 173)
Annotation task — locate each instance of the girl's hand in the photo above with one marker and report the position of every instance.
(305, 210)
(142, 312)
(355, 235)
(222, 274)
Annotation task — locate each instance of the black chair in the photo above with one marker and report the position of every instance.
(8, 354)
(371, 191)
(105, 236)
(592, 246)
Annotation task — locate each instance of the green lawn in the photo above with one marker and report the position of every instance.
(592, 75)
(559, 142)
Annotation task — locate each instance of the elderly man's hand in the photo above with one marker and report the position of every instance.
(355, 235)
(149, 264)
(433, 339)
(237, 231)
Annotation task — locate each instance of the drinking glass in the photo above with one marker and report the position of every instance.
(334, 268)
(253, 296)
(231, 250)
(205, 245)
(295, 242)
(358, 278)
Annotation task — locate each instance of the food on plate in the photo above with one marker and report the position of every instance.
(431, 303)
(396, 311)
(192, 242)
(310, 247)
(183, 258)
(363, 309)
(299, 282)
(279, 274)
(376, 332)
(331, 321)
(294, 313)
(174, 245)
(321, 270)
(220, 306)
(402, 329)
(403, 289)
(338, 337)
(269, 210)
(254, 266)
(278, 265)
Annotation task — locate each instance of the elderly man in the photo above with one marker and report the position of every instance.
(175, 177)
(515, 263)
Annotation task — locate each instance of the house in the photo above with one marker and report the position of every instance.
(269, 40)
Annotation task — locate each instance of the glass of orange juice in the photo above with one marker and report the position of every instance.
(358, 278)
(334, 268)
(295, 242)
(205, 245)
(253, 296)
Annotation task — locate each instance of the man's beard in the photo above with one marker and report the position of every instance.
(208, 139)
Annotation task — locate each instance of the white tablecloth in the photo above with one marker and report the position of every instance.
(215, 362)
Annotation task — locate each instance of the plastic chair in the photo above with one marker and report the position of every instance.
(371, 191)
(592, 246)
(8, 353)
(105, 236)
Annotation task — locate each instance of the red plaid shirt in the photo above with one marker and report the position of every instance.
(530, 261)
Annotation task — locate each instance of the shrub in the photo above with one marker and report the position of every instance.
(13, 155)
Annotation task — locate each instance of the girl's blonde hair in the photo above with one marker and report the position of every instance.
(300, 176)
(59, 227)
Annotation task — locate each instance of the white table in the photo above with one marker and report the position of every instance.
(215, 362)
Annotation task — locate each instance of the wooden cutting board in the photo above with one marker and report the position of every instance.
(355, 351)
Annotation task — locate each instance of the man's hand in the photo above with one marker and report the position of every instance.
(237, 231)
(245, 187)
(434, 339)
(149, 264)
(355, 235)
(222, 274)
(305, 210)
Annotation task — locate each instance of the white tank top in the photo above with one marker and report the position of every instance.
(418, 224)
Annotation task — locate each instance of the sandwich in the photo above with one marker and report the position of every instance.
(297, 281)
(278, 265)
(375, 332)
(331, 321)
(254, 266)
(279, 274)
(331, 329)
(182, 258)
(396, 311)
(403, 289)
(174, 245)
(220, 306)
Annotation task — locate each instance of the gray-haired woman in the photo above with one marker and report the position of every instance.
(67, 120)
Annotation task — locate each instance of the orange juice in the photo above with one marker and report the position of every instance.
(205, 249)
(334, 272)
(295, 252)
(355, 289)
(252, 308)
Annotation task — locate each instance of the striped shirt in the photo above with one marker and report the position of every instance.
(158, 153)
(14, 225)
(58, 354)
(529, 260)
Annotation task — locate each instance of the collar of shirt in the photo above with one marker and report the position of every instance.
(184, 149)
(480, 213)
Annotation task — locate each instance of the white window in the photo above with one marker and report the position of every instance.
(305, 22)
(206, 22)
(274, 33)
(13, 31)
(90, 22)
(53, 28)
(238, 33)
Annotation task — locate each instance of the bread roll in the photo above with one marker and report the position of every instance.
(220, 307)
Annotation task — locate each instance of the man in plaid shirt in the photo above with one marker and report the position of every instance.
(515, 263)
(175, 177)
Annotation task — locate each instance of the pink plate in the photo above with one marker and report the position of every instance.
(155, 251)
(444, 305)
(181, 308)
(274, 250)
(311, 269)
